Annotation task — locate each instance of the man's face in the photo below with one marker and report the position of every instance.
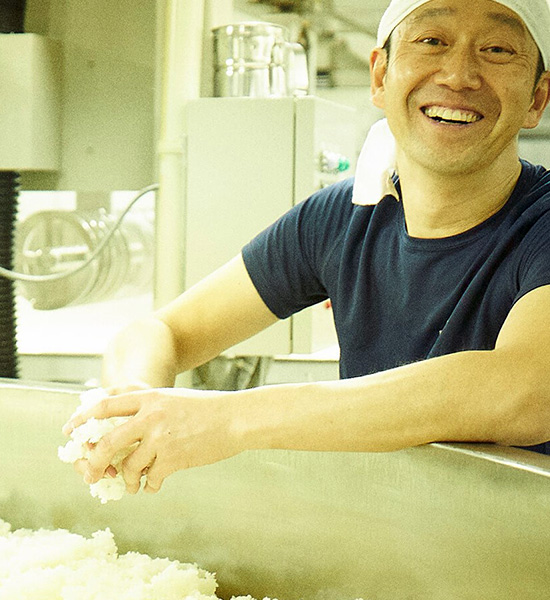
(458, 86)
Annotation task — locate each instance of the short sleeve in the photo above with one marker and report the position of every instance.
(534, 270)
(285, 261)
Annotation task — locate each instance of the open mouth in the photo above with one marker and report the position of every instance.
(452, 116)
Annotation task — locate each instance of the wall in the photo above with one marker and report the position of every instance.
(108, 95)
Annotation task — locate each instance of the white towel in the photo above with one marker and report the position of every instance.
(375, 166)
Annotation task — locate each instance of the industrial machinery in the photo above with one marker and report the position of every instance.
(246, 160)
(51, 242)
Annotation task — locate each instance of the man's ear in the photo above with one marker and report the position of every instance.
(541, 98)
(378, 68)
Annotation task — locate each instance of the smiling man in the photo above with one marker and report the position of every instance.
(440, 288)
(457, 98)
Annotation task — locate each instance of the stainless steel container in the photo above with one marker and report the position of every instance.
(440, 522)
(257, 60)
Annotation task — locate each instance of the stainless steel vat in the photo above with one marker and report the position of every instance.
(441, 522)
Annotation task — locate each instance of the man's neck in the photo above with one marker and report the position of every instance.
(442, 205)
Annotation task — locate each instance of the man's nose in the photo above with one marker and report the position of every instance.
(459, 69)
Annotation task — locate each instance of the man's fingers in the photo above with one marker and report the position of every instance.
(110, 444)
(124, 405)
(80, 466)
(156, 474)
(111, 471)
(135, 465)
(159, 471)
(136, 386)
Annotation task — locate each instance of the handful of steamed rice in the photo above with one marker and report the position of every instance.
(108, 488)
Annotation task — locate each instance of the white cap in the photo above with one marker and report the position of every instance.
(534, 13)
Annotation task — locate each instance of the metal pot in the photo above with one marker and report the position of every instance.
(256, 59)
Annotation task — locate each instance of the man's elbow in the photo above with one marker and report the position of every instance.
(525, 421)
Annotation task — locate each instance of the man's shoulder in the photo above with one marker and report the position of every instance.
(338, 192)
(334, 202)
(526, 225)
(330, 204)
(535, 182)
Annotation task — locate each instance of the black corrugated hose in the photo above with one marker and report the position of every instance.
(9, 192)
(12, 20)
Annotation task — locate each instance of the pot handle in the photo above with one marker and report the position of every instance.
(297, 74)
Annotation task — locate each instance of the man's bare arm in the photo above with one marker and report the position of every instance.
(460, 397)
(500, 396)
(215, 314)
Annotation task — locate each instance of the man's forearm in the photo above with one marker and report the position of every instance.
(468, 396)
(142, 352)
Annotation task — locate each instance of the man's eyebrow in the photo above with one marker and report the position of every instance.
(497, 17)
(509, 20)
(429, 13)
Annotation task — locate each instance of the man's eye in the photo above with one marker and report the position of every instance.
(498, 50)
(498, 54)
(431, 41)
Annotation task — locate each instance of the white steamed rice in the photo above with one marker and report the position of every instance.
(59, 565)
(108, 488)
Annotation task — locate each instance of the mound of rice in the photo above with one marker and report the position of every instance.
(59, 565)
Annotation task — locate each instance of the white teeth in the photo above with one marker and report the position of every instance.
(448, 114)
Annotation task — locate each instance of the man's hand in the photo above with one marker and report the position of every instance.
(173, 429)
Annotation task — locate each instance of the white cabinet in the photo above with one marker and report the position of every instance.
(249, 161)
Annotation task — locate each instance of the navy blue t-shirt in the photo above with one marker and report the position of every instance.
(398, 299)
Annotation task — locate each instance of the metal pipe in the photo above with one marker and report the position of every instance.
(181, 75)
(9, 198)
